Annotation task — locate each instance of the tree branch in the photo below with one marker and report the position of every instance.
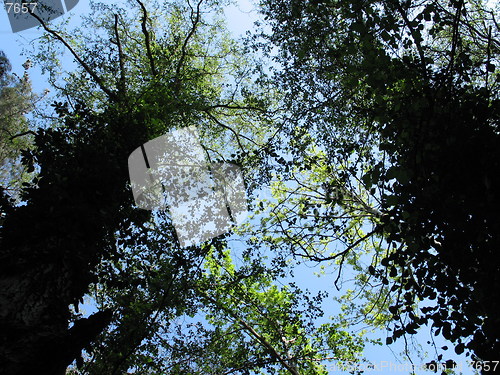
(112, 95)
(195, 23)
(22, 134)
(122, 83)
(229, 106)
(483, 35)
(454, 40)
(236, 134)
(344, 252)
(147, 38)
(265, 343)
(414, 37)
(255, 334)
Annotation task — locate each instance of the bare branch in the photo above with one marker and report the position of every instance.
(122, 84)
(147, 38)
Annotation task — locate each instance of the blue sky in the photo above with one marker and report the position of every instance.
(240, 17)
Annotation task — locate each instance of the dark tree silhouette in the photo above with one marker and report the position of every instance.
(50, 246)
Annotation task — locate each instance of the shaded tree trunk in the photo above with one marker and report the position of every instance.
(51, 246)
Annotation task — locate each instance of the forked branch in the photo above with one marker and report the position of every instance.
(195, 19)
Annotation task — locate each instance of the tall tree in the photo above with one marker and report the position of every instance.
(403, 98)
(80, 231)
(52, 245)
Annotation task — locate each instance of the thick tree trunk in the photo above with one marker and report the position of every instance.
(50, 247)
